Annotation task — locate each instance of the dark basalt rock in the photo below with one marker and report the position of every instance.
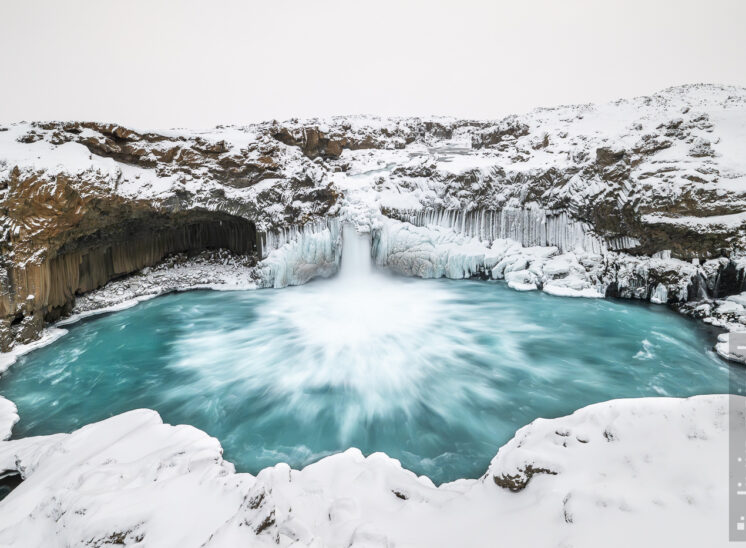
(518, 482)
(101, 247)
(729, 281)
(606, 156)
(9, 480)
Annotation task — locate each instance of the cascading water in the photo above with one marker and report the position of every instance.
(356, 262)
(436, 373)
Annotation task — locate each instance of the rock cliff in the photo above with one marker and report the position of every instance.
(84, 203)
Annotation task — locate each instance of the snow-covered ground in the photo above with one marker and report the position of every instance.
(728, 313)
(644, 472)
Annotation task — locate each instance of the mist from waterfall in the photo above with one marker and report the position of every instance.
(359, 333)
(356, 265)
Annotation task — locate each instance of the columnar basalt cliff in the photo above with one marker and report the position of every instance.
(642, 198)
(42, 291)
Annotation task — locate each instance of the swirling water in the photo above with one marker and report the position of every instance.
(436, 373)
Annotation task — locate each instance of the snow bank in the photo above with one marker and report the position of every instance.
(646, 472)
(8, 417)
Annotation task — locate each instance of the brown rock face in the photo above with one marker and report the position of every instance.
(166, 155)
(69, 237)
(41, 292)
(319, 144)
(65, 232)
(606, 156)
(312, 142)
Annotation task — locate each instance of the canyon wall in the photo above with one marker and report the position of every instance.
(39, 292)
(651, 189)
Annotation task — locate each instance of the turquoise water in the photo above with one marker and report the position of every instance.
(435, 373)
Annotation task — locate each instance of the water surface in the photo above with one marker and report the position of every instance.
(436, 373)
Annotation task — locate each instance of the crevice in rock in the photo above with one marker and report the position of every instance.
(9, 480)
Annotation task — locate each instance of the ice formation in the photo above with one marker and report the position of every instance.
(434, 251)
(300, 254)
(529, 226)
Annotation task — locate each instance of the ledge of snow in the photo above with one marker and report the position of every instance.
(8, 417)
(641, 472)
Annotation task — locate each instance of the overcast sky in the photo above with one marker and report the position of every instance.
(182, 63)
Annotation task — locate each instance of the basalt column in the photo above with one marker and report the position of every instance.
(38, 292)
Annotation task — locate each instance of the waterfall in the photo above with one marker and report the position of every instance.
(356, 257)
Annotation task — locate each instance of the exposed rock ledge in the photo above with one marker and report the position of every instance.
(611, 474)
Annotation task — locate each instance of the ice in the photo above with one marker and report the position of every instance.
(660, 295)
(530, 226)
(436, 251)
(300, 254)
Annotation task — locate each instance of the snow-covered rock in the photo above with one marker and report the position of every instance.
(729, 314)
(659, 176)
(8, 417)
(610, 474)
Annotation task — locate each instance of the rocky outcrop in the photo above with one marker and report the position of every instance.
(319, 139)
(65, 234)
(82, 204)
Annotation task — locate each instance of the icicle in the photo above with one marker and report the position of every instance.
(529, 226)
(294, 255)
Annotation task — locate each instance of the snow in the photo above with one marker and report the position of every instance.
(49, 335)
(725, 350)
(740, 298)
(8, 418)
(647, 472)
(730, 221)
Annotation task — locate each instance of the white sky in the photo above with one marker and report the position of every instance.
(183, 63)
